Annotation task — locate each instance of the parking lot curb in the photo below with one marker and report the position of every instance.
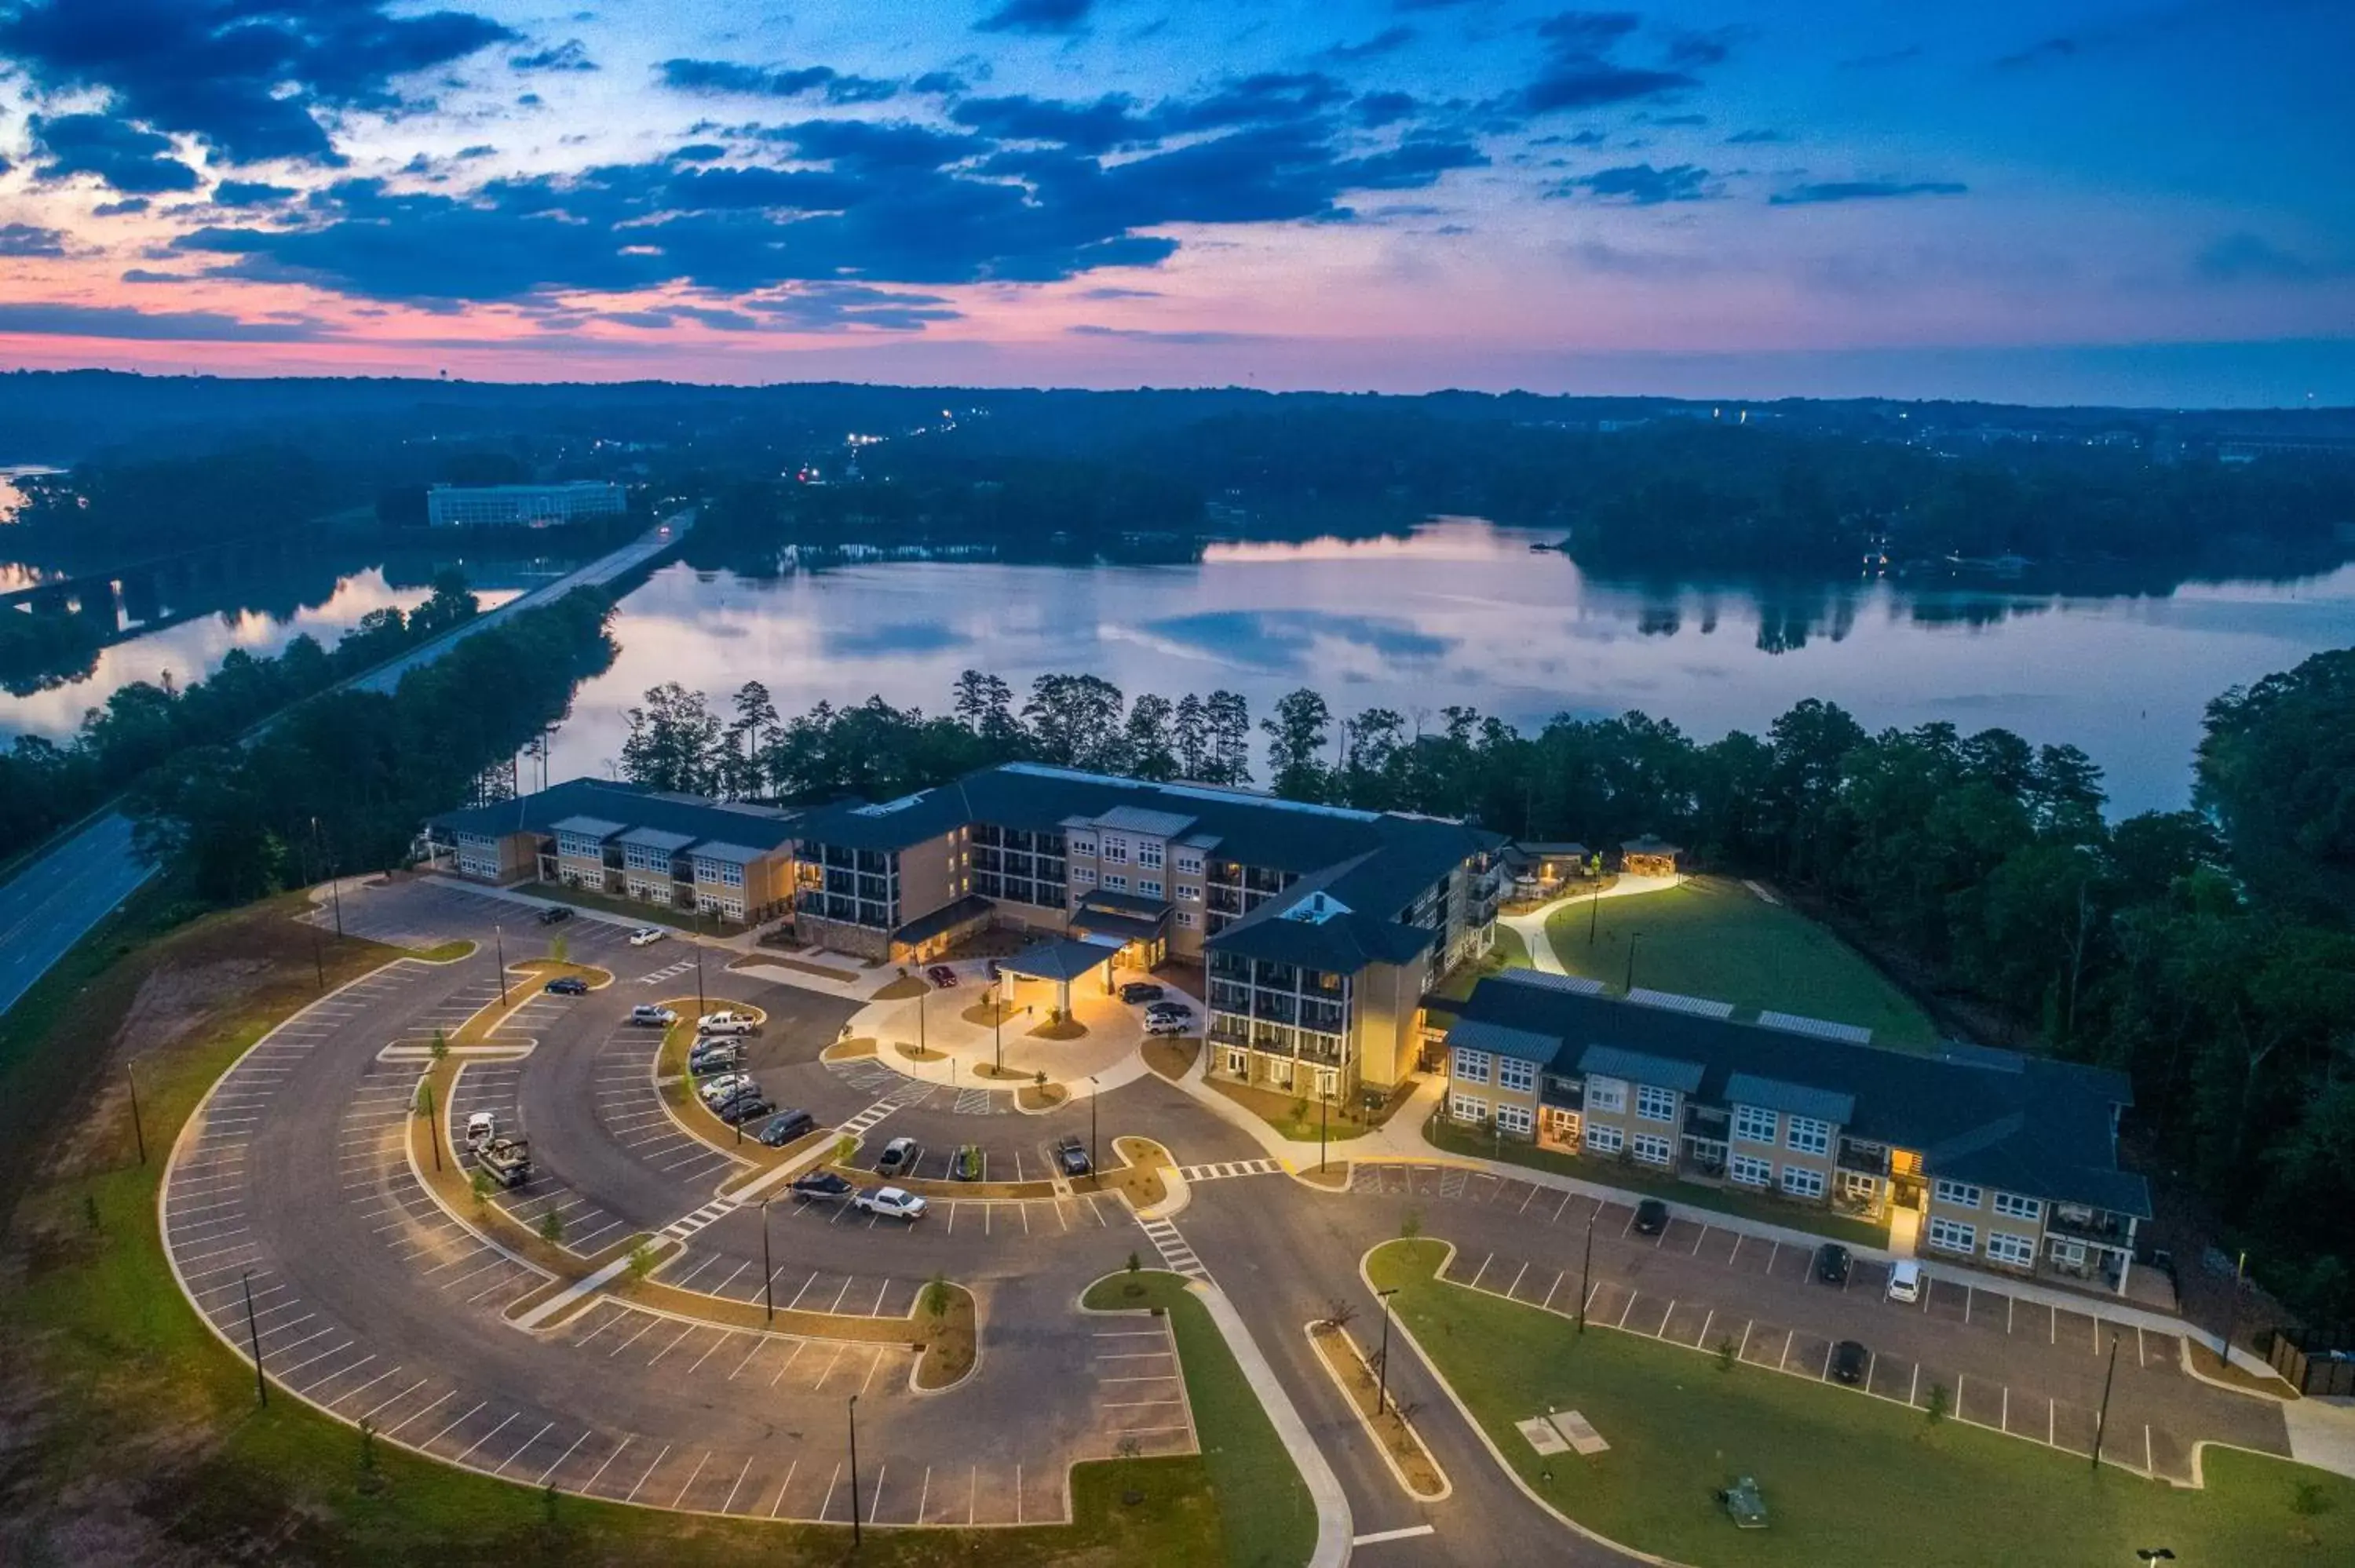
(1333, 1537)
(1180, 1193)
(1446, 1487)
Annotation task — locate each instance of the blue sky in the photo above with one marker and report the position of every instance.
(2129, 202)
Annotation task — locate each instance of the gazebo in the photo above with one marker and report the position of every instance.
(1060, 959)
(1650, 856)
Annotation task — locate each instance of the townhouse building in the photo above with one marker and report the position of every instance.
(677, 853)
(2008, 1160)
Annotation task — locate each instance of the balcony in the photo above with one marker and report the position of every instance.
(2097, 1226)
(1866, 1158)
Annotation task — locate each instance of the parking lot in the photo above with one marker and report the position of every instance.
(2004, 1362)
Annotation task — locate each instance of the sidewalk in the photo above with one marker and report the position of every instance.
(1530, 927)
(1333, 1538)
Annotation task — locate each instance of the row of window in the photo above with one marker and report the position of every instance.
(2002, 1246)
(2010, 1205)
(1796, 1181)
(1512, 1118)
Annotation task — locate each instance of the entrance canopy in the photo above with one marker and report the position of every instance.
(1124, 916)
(1060, 959)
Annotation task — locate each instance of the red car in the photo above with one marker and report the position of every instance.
(942, 976)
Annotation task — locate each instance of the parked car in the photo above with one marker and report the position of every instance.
(725, 1022)
(823, 1184)
(566, 985)
(1072, 1158)
(746, 1107)
(1849, 1361)
(942, 976)
(481, 1128)
(646, 1016)
(1651, 1217)
(704, 1064)
(555, 914)
(899, 1157)
(1168, 1012)
(893, 1201)
(966, 1166)
(1832, 1263)
(1168, 1025)
(645, 935)
(1135, 991)
(721, 1088)
(1905, 1282)
(786, 1125)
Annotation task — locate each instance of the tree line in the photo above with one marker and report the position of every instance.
(343, 782)
(2205, 953)
(44, 785)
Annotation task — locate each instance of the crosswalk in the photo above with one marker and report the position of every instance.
(1226, 1168)
(670, 971)
(1174, 1249)
(686, 1226)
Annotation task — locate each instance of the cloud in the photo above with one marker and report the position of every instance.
(1110, 121)
(1599, 256)
(728, 78)
(123, 157)
(2244, 258)
(2039, 53)
(1376, 110)
(126, 207)
(149, 275)
(249, 81)
(248, 193)
(1109, 294)
(569, 55)
(1641, 185)
(1580, 72)
(25, 239)
(1864, 190)
(1693, 49)
(1191, 339)
(1756, 138)
(48, 319)
(1036, 16)
(1881, 60)
(1389, 40)
(833, 307)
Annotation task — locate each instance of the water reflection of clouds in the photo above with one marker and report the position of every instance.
(1293, 641)
(898, 637)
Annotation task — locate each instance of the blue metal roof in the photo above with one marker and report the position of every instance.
(1775, 1095)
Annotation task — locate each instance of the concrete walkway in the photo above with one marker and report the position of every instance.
(1530, 927)
(2322, 1434)
(1333, 1530)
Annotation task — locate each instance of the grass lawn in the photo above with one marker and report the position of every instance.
(1266, 1516)
(1714, 937)
(1847, 1478)
(1441, 1133)
(133, 1433)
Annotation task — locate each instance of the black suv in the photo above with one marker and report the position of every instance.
(1072, 1158)
(822, 1184)
(555, 914)
(1651, 1217)
(1851, 1361)
(1832, 1263)
(1141, 991)
(786, 1125)
(566, 985)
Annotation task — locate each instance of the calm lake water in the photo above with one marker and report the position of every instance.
(1465, 613)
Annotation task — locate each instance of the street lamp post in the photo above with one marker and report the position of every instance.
(1594, 911)
(2102, 1421)
(768, 1269)
(997, 1032)
(499, 948)
(1632, 939)
(1382, 1374)
(433, 1130)
(1324, 1116)
(253, 1338)
(854, 1472)
(700, 1008)
(2231, 1324)
(1093, 1163)
(138, 1133)
(1586, 1274)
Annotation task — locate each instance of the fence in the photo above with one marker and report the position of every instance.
(2312, 1371)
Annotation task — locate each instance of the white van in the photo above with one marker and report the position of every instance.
(1905, 1282)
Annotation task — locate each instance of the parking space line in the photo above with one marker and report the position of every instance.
(799, 1346)
(691, 1477)
(649, 1470)
(593, 1479)
(1705, 1323)
(428, 1410)
(484, 1438)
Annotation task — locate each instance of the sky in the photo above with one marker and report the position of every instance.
(2070, 201)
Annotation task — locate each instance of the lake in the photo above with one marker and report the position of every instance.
(1465, 612)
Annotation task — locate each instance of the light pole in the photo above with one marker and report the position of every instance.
(1093, 1163)
(1593, 910)
(700, 1008)
(499, 947)
(921, 997)
(2102, 1421)
(1382, 1374)
(768, 1269)
(253, 1338)
(433, 1133)
(1586, 1274)
(854, 1472)
(2231, 1324)
(997, 1032)
(1324, 1116)
(1632, 939)
(138, 1133)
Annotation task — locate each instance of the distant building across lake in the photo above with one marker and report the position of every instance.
(521, 505)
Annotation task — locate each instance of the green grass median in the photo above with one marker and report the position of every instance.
(1847, 1478)
(1265, 1514)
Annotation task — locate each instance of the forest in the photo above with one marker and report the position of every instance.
(2206, 953)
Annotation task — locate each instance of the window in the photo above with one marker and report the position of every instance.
(2005, 1248)
(1236, 1062)
(1469, 1107)
(1952, 1237)
(1187, 919)
(1753, 1125)
(1516, 1119)
(1149, 855)
(1749, 1170)
(1188, 895)
(1961, 1194)
(1656, 1104)
(2012, 1206)
(1606, 1094)
(1279, 1072)
(1116, 852)
(1651, 1147)
(1806, 1135)
(1188, 864)
(1471, 1067)
(1083, 876)
(1512, 1073)
(1148, 888)
(1115, 883)
(1603, 1139)
(1081, 845)
(1801, 1182)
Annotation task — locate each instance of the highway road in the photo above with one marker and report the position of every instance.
(53, 902)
